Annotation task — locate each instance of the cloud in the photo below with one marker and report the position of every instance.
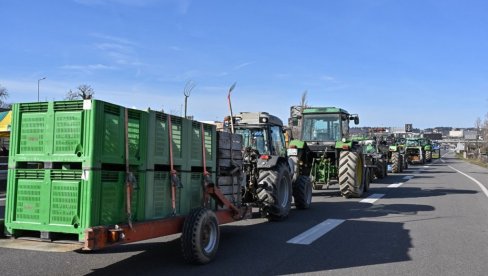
(242, 65)
(176, 48)
(182, 6)
(121, 51)
(327, 78)
(88, 68)
(137, 3)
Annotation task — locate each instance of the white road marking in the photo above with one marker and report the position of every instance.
(316, 232)
(396, 185)
(372, 198)
(2, 199)
(426, 166)
(408, 177)
(482, 187)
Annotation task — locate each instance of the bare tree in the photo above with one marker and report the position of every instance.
(84, 92)
(3, 96)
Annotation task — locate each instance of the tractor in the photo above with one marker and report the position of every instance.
(396, 154)
(427, 147)
(269, 182)
(414, 151)
(324, 150)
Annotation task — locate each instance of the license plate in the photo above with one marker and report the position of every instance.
(292, 152)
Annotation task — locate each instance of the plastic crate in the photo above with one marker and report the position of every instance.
(195, 145)
(69, 201)
(158, 194)
(158, 141)
(89, 132)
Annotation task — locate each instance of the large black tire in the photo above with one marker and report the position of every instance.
(395, 162)
(351, 174)
(428, 156)
(367, 178)
(200, 236)
(302, 192)
(275, 191)
(405, 161)
(380, 170)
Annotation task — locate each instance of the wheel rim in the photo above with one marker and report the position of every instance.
(209, 236)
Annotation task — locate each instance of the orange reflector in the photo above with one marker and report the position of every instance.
(345, 147)
(264, 157)
(293, 146)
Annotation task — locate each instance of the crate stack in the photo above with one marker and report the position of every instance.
(67, 166)
(185, 153)
(229, 161)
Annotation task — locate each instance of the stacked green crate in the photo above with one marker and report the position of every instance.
(78, 148)
(69, 201)
(196, 154)
(90, 132)
(186, 142)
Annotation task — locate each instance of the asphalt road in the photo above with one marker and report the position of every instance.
(429, 220)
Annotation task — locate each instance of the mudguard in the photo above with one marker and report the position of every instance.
(268, 163)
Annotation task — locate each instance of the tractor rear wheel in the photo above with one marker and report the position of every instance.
(367, 178)
(351, 174)
(200, 236)
(302, 192)
(395, 162)
(275, 191)
(380, 169)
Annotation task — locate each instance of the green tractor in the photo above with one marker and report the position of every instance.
(414, 151)
(427, 147)
(396, 155)
(323, 149)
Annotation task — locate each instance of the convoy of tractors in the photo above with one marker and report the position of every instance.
(127, 175)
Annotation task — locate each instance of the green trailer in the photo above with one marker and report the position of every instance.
(102, 174)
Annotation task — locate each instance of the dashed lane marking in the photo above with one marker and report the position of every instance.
(316, 232)
(395, 185)
(408, 177)
(372, 198)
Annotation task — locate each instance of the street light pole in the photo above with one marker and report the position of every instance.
(38, 81)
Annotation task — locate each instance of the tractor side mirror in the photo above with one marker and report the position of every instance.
(356, 120)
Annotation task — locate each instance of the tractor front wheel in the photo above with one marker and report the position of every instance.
(351, 173)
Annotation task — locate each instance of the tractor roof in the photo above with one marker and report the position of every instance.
(257, 118)
(321, 110)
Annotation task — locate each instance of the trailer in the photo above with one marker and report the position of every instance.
(102, 175)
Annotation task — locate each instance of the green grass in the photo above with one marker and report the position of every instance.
(473, 161)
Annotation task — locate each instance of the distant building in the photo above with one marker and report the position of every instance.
(456, 133)
(470, 135)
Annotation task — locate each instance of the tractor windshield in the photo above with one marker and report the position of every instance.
(255, 138)
(413, 143)
(321, 127)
